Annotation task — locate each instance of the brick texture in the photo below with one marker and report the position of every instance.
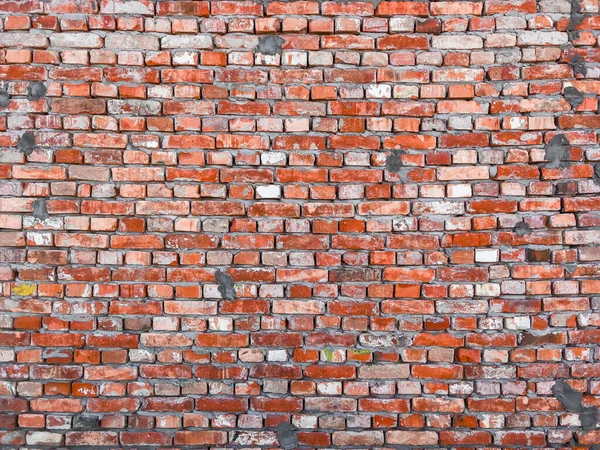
(315, 224)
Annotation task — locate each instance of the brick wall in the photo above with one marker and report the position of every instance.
(276, 224)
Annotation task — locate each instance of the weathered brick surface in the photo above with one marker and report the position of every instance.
(316, 224)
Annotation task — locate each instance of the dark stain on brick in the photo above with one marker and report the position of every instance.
(287, 436)
(354, 275)
(270, 45)
(83, 422)
(538, 255)
(573, 96)
(589, 418)
(557, 152)
(26, 143)
(431, 26)
(40, 209)
(4, 98)
(138, 324)
(522, 229)
(534, 340)
(393, 162)
(572, 400)
(575, 19)
(565, 188)
(12, 255)
(578, 65)
(570, 268)
(567, 396)
(226, 287)
(596, 176)
(36, 90)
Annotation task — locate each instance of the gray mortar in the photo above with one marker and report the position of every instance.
(573, 96)
(225, 282)
(287, 436)
(270, 45)
(4, 98)
(522, 229)
(26, 143)
(557, 152)
(36, 90)
(393, 162)
(40, 210)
